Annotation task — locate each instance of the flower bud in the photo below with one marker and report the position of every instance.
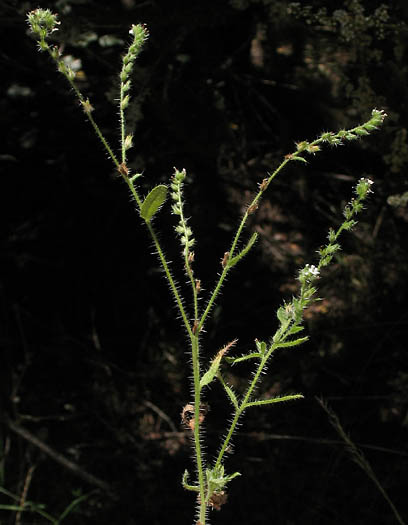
(87, 106)
(126, 86)
(128, 142)
(42, 22)
(43, 46)
(125, 102)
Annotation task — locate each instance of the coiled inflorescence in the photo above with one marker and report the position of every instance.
(183, 230)
(140, 35)
(42, 23)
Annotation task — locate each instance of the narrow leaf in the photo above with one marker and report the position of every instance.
(186, 485)
(295, 329)
(244, 251)
(232, 476)
(299, 158)
(210, 374)
(261, 346)
(282, 315)
(229, 391)
(273, 400)
(153, 202)
(212, 371)
(233, 360)
(135, 176)
(294, 342)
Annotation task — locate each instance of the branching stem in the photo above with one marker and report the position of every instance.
(43, 23)
(237, 236)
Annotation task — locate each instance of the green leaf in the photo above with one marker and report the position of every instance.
(295, 329)
(233, 360)
(135, 176)
(186, 485)
(232, 476)
(229, 391)
(211, 372)
(216, 478)
(153, 202)
(285, 316)
(233, 261)
(361, 131)
(261, 346)
(329, 249)
(282, 314)
(294, 342)
(299, 158)
(273, 400)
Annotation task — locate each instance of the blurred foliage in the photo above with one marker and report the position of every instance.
(89, 344)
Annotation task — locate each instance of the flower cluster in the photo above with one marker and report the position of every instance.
(42, 22)
(182, 228)
(335, 139)
(293, 312)
(306, 146)
(364, 187)
(327, 252)
(140, 35)
(308, 274)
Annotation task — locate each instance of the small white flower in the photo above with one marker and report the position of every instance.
(312, 270)
(308, 273)
(366, 181)
(363, 187)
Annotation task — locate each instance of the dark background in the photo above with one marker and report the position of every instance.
(94, 364)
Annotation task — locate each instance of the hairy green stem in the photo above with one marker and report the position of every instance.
(197, 408)
(305, 296)
(193, 286)
(239, 411)
(163, 260)
(137, 199)
(95, 126)
(237, 236)
(43, 22)
(179, 301)
(170, 278)
(122, 125)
